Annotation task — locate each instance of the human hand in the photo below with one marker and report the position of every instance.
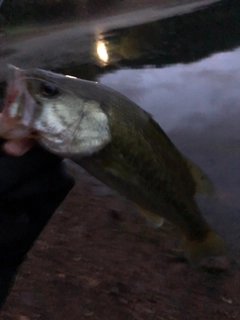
(17, 147)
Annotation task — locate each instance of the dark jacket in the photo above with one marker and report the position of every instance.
(31, 188)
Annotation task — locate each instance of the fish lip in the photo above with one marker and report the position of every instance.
(18, 108)
(13, 91)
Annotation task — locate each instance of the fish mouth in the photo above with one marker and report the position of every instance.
(18, 107)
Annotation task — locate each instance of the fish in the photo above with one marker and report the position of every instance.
(117, 142)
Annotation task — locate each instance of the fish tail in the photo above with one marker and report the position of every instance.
(210, 252)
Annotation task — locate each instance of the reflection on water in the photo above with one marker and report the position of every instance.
(102, 51)
(183, 38)
(206, 90)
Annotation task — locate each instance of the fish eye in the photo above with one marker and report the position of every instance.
(49, 90)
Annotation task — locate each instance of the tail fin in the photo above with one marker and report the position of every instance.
(210, 253)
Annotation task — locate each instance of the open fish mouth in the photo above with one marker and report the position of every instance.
(18, 107)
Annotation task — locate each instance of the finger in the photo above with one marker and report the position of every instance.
(18, 147)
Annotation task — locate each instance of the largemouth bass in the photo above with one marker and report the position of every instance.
(117, 142)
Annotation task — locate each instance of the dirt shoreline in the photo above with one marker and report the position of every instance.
(97, 259)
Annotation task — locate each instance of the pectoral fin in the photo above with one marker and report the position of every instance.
(204, 185)
(156, 220)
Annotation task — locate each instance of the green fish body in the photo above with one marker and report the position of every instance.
(117, 142)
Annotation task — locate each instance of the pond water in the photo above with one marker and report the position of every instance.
(185, 71)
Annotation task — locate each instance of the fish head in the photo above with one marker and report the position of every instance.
(50, 108)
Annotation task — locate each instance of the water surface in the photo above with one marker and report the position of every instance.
(185, 72)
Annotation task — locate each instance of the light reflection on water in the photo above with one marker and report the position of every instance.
(198, 105)
(102, 51)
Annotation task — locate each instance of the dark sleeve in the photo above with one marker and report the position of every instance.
(31, 188)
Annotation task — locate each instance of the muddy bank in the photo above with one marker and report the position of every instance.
(97, 259)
